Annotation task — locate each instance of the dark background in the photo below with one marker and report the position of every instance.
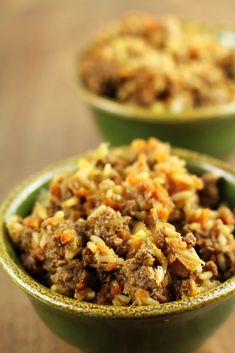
(42, 120)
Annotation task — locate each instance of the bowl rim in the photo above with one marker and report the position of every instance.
(135, 112)
(44, 295)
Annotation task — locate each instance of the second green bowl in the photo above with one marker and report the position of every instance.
(208, 130)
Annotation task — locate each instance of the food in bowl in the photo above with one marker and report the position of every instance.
(130, 226)
(159, 63)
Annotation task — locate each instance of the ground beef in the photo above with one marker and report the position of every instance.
(130, 226)
(70, 278)
(111, 227)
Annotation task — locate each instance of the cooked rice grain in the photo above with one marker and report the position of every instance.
(131, 226)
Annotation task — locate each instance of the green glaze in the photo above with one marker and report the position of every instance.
(215, 137)
(209, 130)
(176, 327)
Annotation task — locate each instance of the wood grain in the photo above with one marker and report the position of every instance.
(43, 121)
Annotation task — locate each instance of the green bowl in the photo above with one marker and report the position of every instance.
(209, 130)
(176, 327)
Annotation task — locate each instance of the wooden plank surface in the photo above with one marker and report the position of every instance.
(43, 121)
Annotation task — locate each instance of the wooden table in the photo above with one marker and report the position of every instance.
(43, 121)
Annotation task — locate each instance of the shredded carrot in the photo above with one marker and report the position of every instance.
(110, 266)
(39, 254)
(138, 145)
(133, 179)
(66, 236)
(31, 222)
(204, 216)
(55, 189)
(83, 192)
(137, 244)
(141, 293)
(198, 183)
(228, 217)
(111, 203)
(81, 285)
(115, 289)
(163, 213)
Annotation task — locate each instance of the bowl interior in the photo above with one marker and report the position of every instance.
(21, 202)
(23, 205)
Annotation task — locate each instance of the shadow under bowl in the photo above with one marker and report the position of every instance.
(176, 327)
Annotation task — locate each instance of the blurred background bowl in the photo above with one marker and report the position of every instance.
(209, 130)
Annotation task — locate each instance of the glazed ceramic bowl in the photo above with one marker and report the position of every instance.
(176, 327)
(209, 130)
